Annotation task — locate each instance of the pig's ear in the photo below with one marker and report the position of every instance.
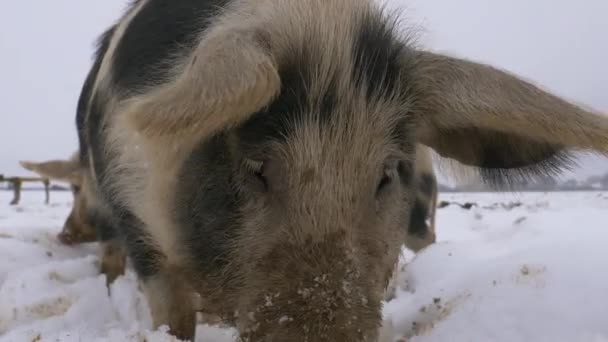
(227, 78)
(61, 170)
(488, 118)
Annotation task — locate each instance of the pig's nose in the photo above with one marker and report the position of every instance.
(66, 237)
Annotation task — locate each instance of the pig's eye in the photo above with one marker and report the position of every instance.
(75, 189)
(387, 178)
(385, 181)
(255, 172)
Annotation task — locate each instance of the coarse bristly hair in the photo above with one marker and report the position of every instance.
(254, 150)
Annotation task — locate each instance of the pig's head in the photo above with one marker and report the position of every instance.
(77, 227)
(301, 203)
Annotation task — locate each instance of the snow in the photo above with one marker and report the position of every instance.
(501, 271)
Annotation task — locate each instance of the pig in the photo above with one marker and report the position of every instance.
(421, 228)
(90, 218)
(259, 155)
(77, 228)
(85, 222)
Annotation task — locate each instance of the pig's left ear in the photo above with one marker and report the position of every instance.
(60, 170)
(229, 76)
(487, 118)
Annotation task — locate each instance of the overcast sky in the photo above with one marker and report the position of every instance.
(46, 48)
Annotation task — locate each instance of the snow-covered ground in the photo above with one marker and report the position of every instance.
(499, 272)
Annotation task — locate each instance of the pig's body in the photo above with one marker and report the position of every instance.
(421, 228)
(90, 219)
(262, 154)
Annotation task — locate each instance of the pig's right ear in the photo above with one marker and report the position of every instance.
(229, 76)
(61, 170)
(498, 122)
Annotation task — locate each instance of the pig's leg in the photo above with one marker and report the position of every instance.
(112, 246)
(113, 259)
(171, 301)
(169, 294)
